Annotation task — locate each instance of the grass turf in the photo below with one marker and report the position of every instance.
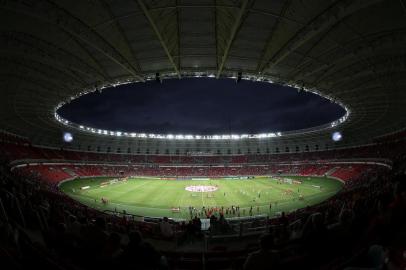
(156, 198)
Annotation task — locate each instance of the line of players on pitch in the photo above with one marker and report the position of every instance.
(233, 211)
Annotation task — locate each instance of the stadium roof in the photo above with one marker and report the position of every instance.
(353, 52)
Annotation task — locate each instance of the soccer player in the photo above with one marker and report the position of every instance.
(104, 200)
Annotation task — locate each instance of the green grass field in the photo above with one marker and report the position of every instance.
(156, 198)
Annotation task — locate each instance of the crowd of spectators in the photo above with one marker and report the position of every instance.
(54, 173)
(42, 229)
(19, 149)
(362, 226)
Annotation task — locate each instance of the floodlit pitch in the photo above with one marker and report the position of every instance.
(155, 197)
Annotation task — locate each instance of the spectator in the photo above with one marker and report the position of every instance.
(112, 249)
(265, 257)
(166, 228)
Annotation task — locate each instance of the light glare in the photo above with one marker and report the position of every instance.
(336, 136)
(67, 137)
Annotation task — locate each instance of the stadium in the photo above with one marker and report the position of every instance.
(80, 194)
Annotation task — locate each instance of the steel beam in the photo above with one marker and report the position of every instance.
(152, 23)
(234, 31)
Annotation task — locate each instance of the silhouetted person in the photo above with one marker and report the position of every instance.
(265, 257)
(166, 228)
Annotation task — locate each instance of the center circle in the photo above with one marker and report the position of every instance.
(201, 188)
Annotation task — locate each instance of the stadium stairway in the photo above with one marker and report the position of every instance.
(70, 172)
(331, 171)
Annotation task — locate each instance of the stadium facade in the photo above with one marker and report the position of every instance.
(352, 52)
(338, 50)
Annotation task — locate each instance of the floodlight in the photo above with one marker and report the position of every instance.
(337, 136)
(67, 137)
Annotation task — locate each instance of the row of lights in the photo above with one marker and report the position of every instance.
(339, 121)
(189, 137)
(168, 136)
(180, 136)
(68, 137)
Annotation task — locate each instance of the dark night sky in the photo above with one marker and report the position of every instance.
(201, 106)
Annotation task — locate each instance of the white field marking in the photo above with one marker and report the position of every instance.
(201, 188)
(119, 204)
(167, 209)
(143, 207)
(119, 185)
(136, 206)
(202, 198)
(287, 200)
(115, 191)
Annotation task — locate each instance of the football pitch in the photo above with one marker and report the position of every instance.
(154, 197)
